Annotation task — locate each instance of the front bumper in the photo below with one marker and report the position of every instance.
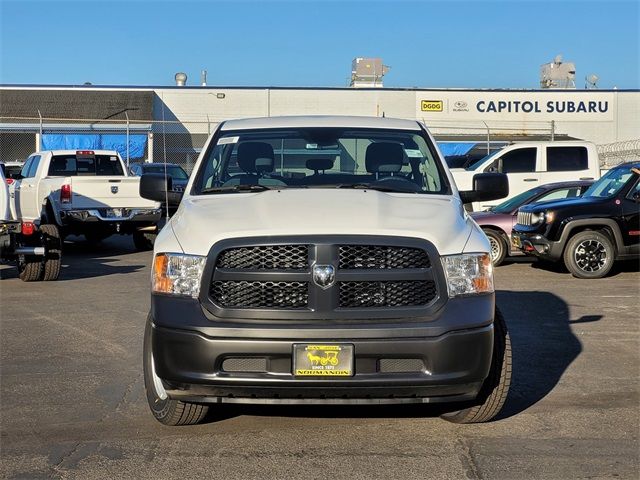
(536, 245)
(445, 357)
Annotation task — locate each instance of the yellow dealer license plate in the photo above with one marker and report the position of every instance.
(313, 360)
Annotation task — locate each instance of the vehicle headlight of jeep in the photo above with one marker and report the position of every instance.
(177, 274)
(468, 274)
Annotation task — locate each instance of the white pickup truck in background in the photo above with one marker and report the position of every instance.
(530, 164)
(85, 192)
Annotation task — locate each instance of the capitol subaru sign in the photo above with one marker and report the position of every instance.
(520, 105)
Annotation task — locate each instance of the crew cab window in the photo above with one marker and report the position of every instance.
(518, 161)
(567, 159)
(72, 165)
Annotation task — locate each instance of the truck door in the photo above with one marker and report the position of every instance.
(566, 163)
(26, 193)
(521, 166)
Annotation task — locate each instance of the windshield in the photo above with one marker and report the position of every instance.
(388, 160)
(517, 201)
(610, 184)
(172, 170)
(81, 165)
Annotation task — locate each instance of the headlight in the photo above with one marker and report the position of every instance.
(177, 274)
(537, 217)
(468, 273)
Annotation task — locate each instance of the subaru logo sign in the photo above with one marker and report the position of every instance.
(114, 189)
(324, 275)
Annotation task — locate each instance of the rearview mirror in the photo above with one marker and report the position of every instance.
(486, 186)
(157, 187)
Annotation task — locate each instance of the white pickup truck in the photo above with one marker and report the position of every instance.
(323, 260)
(85, 192)
(529, 164)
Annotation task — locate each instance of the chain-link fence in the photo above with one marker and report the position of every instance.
(612, 154)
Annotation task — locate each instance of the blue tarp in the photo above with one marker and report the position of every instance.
(90, 141)
(452, 148)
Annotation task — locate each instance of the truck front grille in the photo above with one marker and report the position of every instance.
(372, 274)
(524, 218)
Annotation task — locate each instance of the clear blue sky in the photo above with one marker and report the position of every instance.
(311, 43)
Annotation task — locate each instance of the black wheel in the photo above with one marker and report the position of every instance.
(144, 240)
(29, 268)
(498, 246)
(589, 254)
(167, 411)
(53, 259)
(495, 388)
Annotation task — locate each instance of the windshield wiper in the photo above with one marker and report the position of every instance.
(242, 188)
(368, 186)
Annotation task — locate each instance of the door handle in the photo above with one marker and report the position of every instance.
(530, 179)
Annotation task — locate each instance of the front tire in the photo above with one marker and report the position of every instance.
(496, 386)
(165, 410)
(498, 246)
(589, 254)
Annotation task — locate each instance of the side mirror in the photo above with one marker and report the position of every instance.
(157, 187)
(486, 186)
(636, 196)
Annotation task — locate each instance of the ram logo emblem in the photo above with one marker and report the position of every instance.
(324, 275)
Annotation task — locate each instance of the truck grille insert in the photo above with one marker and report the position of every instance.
(389, 279)
(386, 294)
(353, 257)
(266, 257)
(243, 294)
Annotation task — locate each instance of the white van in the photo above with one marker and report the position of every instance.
(529, 164)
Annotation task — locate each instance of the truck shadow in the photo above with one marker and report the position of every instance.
(543, 347)
(81, 259)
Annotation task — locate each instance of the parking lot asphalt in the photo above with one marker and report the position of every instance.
(72, 396)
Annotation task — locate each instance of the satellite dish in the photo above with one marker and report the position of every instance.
(592, 81)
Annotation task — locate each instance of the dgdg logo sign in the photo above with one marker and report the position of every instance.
(431, 105)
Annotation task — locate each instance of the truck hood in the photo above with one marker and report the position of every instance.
(204, 220)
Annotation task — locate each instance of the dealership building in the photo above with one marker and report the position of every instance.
(172, 123)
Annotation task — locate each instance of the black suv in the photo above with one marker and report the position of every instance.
(590, 232)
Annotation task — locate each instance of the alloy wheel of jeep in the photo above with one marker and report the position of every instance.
(589, 254)
(165, 410)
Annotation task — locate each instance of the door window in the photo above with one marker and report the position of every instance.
(33, 168)
(25, 168)
(567, 159)
(519, 161)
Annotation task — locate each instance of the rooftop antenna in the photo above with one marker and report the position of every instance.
(591, 82)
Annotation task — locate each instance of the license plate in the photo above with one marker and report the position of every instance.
(515, 240)
(314, 360)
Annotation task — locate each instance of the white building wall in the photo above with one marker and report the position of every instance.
(598, 116)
